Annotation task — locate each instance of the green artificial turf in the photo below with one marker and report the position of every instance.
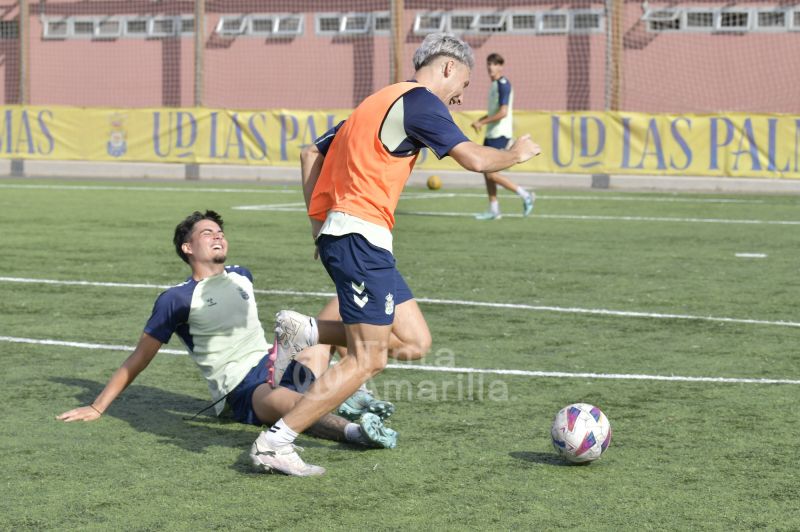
(606, 295)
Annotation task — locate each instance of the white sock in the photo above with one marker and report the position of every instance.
(314, 332)
(352, 432)
(523, 193)
(280, 434)
(494, 207)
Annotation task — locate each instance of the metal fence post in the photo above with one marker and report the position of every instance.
(192, 170)
(398, 11)
(23, 34)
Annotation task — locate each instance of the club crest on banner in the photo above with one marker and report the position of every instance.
(117, 144)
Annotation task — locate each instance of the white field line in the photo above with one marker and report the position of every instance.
(81, 345)
(435, 301)
(450, 369)
(602, 197)
(668, 219)
(300, 207)
(154, 189)
(407, 195)
(595, 218)
(286, 207)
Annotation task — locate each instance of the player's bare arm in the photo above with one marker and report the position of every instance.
(477, 158)
(142, 355)
(487, 119)
(310, 167)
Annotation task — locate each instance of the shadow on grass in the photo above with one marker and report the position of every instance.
(540, 458)
(164, 414)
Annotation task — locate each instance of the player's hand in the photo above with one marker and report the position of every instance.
(83, 413)
(525, 148)
(476, 125)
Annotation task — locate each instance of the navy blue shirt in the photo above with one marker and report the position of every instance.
(427, 123)
(217, 320)
(503, 91)
(171, 310)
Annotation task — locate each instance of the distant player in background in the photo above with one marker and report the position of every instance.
(353, 177)
(499, 122)
(214, 313)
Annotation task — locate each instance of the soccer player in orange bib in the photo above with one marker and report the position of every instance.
(352, 178)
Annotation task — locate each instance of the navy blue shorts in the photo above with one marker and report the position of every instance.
(241, 398)
(366, 278)
(297, 377)
(501, 143)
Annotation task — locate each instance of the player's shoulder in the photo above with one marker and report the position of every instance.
(324, 141)
(178, 294)
(503, 81)
(241, 270)
(421, 93)
(420, 100)
(181, 288)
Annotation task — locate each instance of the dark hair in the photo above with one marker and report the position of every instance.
(184, 229)
(495, 59)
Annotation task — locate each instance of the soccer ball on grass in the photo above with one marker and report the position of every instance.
(434, 182)
(580, 433)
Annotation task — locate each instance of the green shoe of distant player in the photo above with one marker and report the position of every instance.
(527, 204)
(488, 215)
(362, 402)
(375, 433)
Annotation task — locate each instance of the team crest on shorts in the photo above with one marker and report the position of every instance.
(389, 304)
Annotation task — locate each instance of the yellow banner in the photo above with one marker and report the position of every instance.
(729, 144)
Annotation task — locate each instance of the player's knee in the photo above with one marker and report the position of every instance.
(420, 347)
(316, 358)
(414, 349)
(370, 366)
(424, 346)
(330, 311)
(377, 366)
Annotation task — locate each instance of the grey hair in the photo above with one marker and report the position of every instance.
(447, 44)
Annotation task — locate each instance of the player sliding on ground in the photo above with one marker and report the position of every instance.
(354, 175)
(214, 313)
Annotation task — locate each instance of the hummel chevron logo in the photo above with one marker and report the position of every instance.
(359, 288)
(360, 301)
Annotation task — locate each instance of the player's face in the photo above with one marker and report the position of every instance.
(456, 83)
(495, 71)
(207, 243)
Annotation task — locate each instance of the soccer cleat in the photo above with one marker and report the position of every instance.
(283, 459)
(293, 333)
(362, 402)
(279, 360)
(488, 215)
(375, 433)
(527, 204)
